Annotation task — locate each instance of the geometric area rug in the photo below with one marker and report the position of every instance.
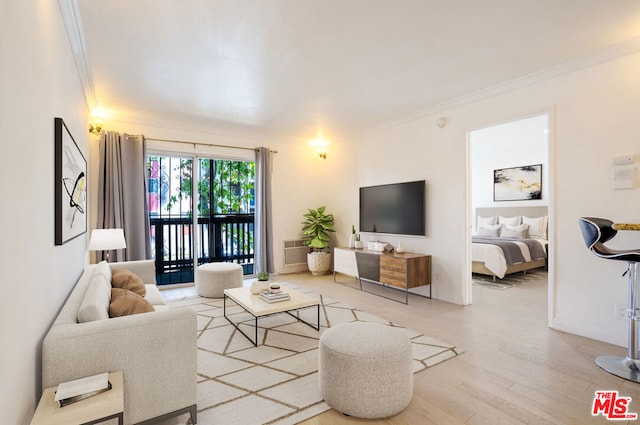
(275, 383)
(511, 280)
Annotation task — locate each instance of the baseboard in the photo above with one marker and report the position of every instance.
(588, 333)
(296, 268)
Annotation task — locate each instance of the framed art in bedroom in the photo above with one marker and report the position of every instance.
(518, 183)
(70, 186)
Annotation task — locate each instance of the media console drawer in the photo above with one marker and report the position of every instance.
(344, 261)
(393, 271)
(405, 270)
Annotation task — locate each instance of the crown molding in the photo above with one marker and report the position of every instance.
(151, 122)
(73, 25)
(609, 54)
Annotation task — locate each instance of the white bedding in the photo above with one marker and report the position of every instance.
(492, 256)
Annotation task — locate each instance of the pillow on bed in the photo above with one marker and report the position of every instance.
(486, 221)
(519, 231)
(537, 226)
(489, 230)
(511, 221)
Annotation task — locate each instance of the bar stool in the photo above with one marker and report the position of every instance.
(597, 231)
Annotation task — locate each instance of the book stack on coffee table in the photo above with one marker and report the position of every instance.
(274, 297)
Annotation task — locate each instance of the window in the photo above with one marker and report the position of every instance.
(222, 228)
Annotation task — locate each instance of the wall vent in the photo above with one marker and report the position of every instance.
(295, 253)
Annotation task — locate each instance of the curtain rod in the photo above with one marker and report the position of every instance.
(203, 144)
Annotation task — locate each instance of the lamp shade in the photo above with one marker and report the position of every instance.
(106, 240)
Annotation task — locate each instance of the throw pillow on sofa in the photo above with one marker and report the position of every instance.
(127, 280)
(95, 303)
(125, 303)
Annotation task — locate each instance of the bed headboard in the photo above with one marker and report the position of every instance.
(541, 230)
(537, 211)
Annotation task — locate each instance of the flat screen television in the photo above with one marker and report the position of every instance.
(397, 208)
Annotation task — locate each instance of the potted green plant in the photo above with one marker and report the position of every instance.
(352, 237)
(261, 284)
(316, 233)
(358, 242)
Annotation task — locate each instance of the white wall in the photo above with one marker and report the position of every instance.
(417, 150)
(512, 144)
(38, 82)
(595, 119)
(301, 179)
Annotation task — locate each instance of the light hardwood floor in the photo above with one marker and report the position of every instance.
(515, 370)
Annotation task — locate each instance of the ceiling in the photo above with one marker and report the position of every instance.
(289, 69)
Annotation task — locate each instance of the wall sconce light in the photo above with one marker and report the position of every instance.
(95, 128)
(96, 121)
(320, 144)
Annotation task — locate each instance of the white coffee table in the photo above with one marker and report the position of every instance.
(257, 307)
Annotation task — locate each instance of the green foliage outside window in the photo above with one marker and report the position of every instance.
(232, 191)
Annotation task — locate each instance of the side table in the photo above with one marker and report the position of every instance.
(92, 410)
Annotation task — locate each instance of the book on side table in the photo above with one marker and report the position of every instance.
(79, 389)
(273, 297)
(92, 410)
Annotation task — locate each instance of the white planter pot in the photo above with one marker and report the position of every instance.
(258, 286)
(318, 262)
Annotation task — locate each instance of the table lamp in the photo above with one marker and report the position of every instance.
(107, 240)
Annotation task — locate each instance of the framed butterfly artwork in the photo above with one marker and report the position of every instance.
(70, 186)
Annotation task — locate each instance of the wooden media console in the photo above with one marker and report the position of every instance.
(400, 271)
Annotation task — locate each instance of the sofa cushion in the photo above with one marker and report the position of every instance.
(154, 296)
(102, 268)
(144, 269)
(125, 302)
(95, 303)
(127, 280)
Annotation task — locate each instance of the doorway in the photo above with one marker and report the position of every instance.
(519, 143)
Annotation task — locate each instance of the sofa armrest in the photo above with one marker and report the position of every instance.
(145, 269)
(156, 351)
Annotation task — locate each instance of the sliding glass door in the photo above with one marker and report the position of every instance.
(226, 211)
(221, 229)
(171, 217)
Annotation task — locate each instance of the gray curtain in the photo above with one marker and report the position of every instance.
(263, 227)
(122, 194)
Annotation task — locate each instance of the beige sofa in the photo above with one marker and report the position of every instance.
(156, 351)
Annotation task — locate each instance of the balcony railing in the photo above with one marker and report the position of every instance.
(224, 238)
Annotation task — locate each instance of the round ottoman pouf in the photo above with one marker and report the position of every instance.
(366, 369)
(213, 278)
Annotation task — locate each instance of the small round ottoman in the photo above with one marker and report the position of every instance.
(213, 278)
(365, 369)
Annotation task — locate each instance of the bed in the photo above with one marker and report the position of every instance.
(508, 240)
